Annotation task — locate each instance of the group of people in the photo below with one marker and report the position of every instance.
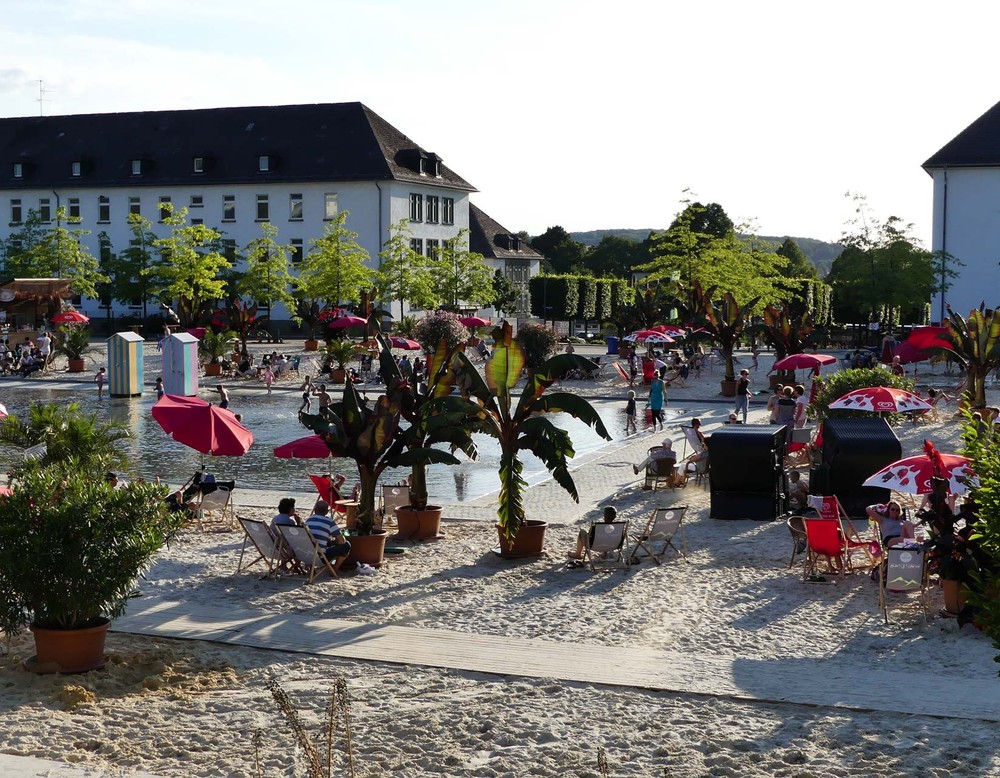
(324, 529)
(25, 357)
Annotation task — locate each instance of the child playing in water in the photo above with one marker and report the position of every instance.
(630, 413)
(99, 380)
(268, 378)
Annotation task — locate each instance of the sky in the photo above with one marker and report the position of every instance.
(589, 115)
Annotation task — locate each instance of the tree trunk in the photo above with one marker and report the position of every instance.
(366, 500)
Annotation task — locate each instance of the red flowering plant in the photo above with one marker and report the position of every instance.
(951, 551)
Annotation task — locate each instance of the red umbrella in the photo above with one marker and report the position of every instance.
(344, 322)
(803, 362)
(908, 353)
(670, 329)
(198, 332)
(881, 399)
(912, 475)
(202, 426)
(475, 321)
(930, 337)
(3, 410)
(309, 447)
(405, 343)
(70, 317)
(648, 336)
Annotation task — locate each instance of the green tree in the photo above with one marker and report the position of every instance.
(189, 266)
(798, 265)
(461, 275)
(404, 275)
(505, 294)
(334, 270)
(267, 279)
(131, 266)
(56, 251)
(615, 256)
(562, 252)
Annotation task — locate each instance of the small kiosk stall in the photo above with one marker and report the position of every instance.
(26, 305)
(180, 364)
(125, 377)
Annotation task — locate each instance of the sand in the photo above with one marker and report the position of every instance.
(188, 708)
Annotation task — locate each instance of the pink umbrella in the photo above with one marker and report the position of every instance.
(70, 317)
(309, 447)
(202, 426)
(803, 362)
(881, 399)
(344, 322)
(908, 353)
(475, 321)
(912, 475)
(405, 343)
(648, 336)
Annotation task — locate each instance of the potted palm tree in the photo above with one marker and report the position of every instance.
(73, 343)
(489, 406)
(724, 320)
(339, 352)
(309, 312)
(212, 347)
(72, 545)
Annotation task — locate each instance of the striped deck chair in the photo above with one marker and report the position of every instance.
(393, 496)
(216, 506)
(621, 372)
(307, 553)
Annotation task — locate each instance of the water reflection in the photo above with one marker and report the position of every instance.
(274, 421)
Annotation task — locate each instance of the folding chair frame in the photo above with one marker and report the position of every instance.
(884, 586)
(602, 533)
(658, 473)
(254, 536)
(650, 534)
(392, 496)
(311, 557)
(225, 510)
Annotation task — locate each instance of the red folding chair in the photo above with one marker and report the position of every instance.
(329, 489)
(831, 509)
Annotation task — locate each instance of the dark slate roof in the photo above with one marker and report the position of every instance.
(493, 241)
(978, 145)
(308, 143)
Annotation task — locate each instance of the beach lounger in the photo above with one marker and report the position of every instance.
(216, 506)
(266, 546)
(904, 571)
(607, 546)
(306, 552)
(621, 372)
(659, 531)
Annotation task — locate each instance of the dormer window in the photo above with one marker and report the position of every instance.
(434, 166)
(422, 166)
(264, 163)
(75, 169)
(198, 165)
(18, 170)
(136, 167)
(515, 242)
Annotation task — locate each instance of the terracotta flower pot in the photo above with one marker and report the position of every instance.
(77, 365)
(213, 369)
(529, 541)
(368, 549)
(728, 388)
(69, 650)
(338, 376)
(311, 345)
(954, 595)
(419, 525)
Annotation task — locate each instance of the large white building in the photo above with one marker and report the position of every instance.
(294, 166)
(966, 174)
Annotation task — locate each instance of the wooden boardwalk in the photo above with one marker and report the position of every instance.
(816, 682)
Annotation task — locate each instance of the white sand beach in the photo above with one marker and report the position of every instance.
(188, 708)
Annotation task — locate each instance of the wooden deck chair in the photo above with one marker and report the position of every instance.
(329, 489)
(303, 547)
(622, 372)
(903, 572)
(393, 496)
(829, 507)
(216, 506)
(663, 526)
(266, 546)
(607, 545)
(824, 539)
(660, 472)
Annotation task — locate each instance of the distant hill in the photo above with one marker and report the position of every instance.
(820, 253)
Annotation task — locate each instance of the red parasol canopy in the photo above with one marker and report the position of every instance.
(202, 426)
(929, 337)
(344, 322)
(3, 410)
(803, 361)
(648, 336)
(70, 317)
(197, 332)
(405, 343)
(908, 353)
(881, 399)
(912, 475)
(309, 447)
(475, 321)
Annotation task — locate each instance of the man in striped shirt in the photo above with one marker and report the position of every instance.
(327, 534)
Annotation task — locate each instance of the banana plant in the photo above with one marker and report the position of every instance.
(487, 404)
(975, 344)
(785, 332)
(724, 320)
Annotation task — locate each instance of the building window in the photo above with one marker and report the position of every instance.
(228, 208)
(73, 204)
(432, 209)
(264, 163)
(262, 208)
(103, 210)
(433, 246)
(18, 170)
(416, 208)
(133, 206)
(164, 208)
(197, 201)
(75, 169)
(295, 207)
(136, 167)
(297, 251)
(417, 244)
(329, 206)
(448, 210)
(44, 210)
(199, 165)
(197, 221)
(135, 302)
(15, 212)
(229, 249)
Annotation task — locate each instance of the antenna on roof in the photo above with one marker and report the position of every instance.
(42, 91)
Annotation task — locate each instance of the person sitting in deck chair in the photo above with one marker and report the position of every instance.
(328, 534)
(665, 451)
(586, 536)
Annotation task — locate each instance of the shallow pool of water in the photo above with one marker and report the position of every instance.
(274, 421)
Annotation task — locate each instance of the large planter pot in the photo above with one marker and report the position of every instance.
(728, 388)
(77, 365)
(311, 345)
(213, 369)
(69, 650)
(529, 541)
(416, 524)
(954, 596)
(367, 549)
(338, 376)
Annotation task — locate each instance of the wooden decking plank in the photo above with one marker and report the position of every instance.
(819, 682)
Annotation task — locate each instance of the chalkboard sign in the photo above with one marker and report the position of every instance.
(905, 569)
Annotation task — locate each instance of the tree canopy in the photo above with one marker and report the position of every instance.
(798, 265)
(562, 252)
(461, 275)
(266, 278)
(404, 274)
(334, 270)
